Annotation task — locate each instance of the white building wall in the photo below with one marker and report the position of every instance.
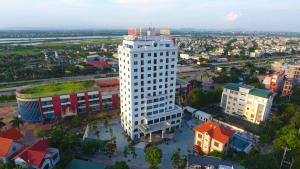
(244, 105)
(147, 81)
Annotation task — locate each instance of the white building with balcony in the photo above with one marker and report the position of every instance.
(147, 62)
(246, 102)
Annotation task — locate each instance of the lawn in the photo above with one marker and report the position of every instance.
(21, 52)
(73, 43)
(183, 78)
(58, 89)
(5, 99)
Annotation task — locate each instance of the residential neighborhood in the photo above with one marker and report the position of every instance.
(153, 114)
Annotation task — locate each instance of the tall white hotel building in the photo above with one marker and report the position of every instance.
(147, 65)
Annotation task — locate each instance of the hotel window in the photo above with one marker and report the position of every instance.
(216, 144)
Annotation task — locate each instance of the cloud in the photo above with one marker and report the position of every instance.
(145, 4)
(232, 16)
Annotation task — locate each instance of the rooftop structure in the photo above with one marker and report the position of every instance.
(98, 64)
(38, 155)
(53, 89)
(9, 144)
(11, 133)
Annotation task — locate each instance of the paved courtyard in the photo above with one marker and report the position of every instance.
(184, 140)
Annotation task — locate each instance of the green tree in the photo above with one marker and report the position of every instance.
(65, 141)
(106, 123)
(178, 161)
(287, 137)
(76, 121)
(132, 150)
(125, 151)
(196, 84)
(41, 133)
(119, 165)
(90, 147)
(92, 122)
(262, 161)
(153, 156)
(16, 122)
(216, 154)
(2, 124)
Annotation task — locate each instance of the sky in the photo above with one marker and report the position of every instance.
(248, 15)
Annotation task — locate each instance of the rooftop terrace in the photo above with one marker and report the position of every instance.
(253, 91)
(57, 89)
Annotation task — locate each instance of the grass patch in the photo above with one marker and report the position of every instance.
(21, 52)
(58, 89)
(8, 98)
(183, 77)
(74, 43)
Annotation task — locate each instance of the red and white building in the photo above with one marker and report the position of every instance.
(38, 156)
(210, 137)
(275, 81)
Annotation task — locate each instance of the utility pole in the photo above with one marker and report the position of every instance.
(285, 162)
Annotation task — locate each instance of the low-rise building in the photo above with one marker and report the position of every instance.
(201, 115)
(275, 81)
(287, 87)
(294, 73)
(38, 156)
(210, 137)
(246, 102)
(9, 143)
(91, 96)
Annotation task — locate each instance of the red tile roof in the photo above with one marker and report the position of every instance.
(108, 82)
(5, 146)
(108, 85)
(11, 134)
(215, 131)
(35, 153)
(98, 63)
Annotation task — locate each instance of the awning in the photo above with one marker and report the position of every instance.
(144, 128)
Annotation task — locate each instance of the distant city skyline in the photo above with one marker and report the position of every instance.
(245, 15)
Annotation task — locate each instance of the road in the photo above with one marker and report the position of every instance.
(186, 70)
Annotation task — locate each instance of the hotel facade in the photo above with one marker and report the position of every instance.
(147, 72)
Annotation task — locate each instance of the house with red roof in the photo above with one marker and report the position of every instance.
(210, 136)
(9, 143)
(38, 156)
